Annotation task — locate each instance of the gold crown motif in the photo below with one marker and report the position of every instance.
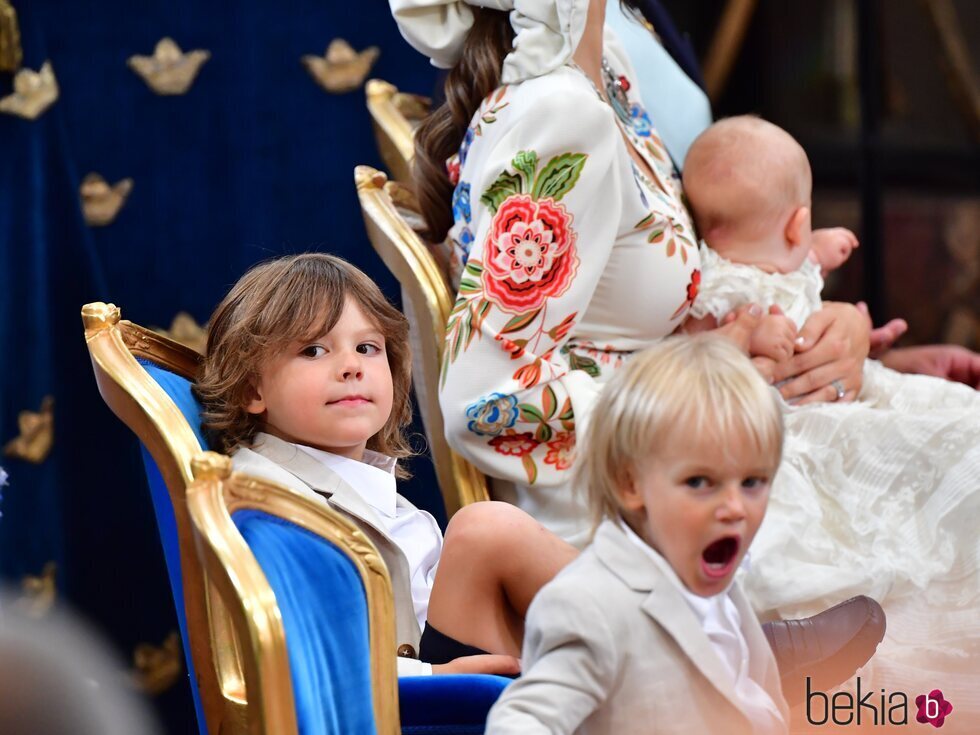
(34, 92)
(36, 434)
(169, 71)
(187, 331)
(39, 593)
(156, 668)
(341, 68)
(11, 53)
(101, 202)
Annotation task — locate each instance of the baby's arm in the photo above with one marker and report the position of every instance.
(569, 657)
(831, 247)
(775, 337)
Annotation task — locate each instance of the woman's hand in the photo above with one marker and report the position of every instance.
(830, 349)
(739, 325)
(486, 663)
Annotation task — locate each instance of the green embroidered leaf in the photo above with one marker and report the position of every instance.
(473, 268)
(543, 433)
(526, 163)
(506, 186)
(444, 370)
(567, 414)
(671, 247)
(549, 402)
(559, 176)
(645, 222)
(530, 414)
(520, 321)
(577, 362)
(656, 236)
(530, 468)
(468, 286)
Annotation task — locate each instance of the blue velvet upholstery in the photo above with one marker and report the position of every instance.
(179, 390)
(324, 613)
(447, 705)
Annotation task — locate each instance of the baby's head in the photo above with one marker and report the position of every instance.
(683, 444)
(749, 184)
(307, 348)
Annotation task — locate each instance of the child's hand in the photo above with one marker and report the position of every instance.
(487, 663)
(831, 247)
(775, 337)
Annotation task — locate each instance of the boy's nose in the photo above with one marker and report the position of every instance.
(732, 507)
(351, 368)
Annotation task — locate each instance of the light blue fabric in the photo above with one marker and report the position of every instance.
(678, 107)
(324, 613)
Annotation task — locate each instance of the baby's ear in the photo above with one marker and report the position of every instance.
(798, 226)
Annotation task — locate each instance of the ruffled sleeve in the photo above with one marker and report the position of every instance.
(542, 208)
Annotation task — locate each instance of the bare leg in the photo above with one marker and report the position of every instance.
(495, 559)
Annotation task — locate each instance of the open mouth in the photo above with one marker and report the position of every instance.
(718, 559)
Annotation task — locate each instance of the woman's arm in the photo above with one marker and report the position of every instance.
(545, 210)
(832, 347)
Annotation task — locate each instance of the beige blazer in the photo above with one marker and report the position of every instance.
(611, 646)
(273, 459)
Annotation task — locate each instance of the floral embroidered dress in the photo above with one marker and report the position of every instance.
(879, 497)
(569, 259)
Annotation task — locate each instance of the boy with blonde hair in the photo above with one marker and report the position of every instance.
(647, 631)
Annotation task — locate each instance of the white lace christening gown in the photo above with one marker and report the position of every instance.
(879, 497)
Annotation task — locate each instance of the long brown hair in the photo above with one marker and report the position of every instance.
(293, 298)
(476, 74)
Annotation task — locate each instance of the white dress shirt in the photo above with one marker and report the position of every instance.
(721, 623)
(414, 531)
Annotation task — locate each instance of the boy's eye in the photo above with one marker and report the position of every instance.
(368, 348)
(697, 482)
(313, 351)
(754, 483)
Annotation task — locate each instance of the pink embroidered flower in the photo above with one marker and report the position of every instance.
(452, 169)
(514, 444)
(529, 254)
(561, 450)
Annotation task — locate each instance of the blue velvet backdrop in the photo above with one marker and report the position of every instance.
(255, 160)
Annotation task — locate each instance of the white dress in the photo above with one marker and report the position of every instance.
(570, 261)
(879, 497)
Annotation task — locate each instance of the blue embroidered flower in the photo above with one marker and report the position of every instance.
(463, 244)
(491, 415)
(641, 121)
(461, 203)
(464, 147)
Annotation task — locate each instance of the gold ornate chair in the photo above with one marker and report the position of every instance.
(275, 560)
(427, 300)
(145, 380)
(395, 116)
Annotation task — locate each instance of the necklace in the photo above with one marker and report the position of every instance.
(616, 89)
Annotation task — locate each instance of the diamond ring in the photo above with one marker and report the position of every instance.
(839, 387)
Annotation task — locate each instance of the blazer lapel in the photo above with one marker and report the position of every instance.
(319, 477)
(664, 604)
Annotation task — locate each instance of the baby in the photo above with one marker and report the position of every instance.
(647, 631)
(748, 183)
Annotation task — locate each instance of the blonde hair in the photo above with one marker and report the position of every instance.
(290, 299)
(744, 173)
(683, 384)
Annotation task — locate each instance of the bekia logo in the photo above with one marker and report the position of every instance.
(933, 708)
(874, 708)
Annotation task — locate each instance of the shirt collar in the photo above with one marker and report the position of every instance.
(700, 605)
(373, 478)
